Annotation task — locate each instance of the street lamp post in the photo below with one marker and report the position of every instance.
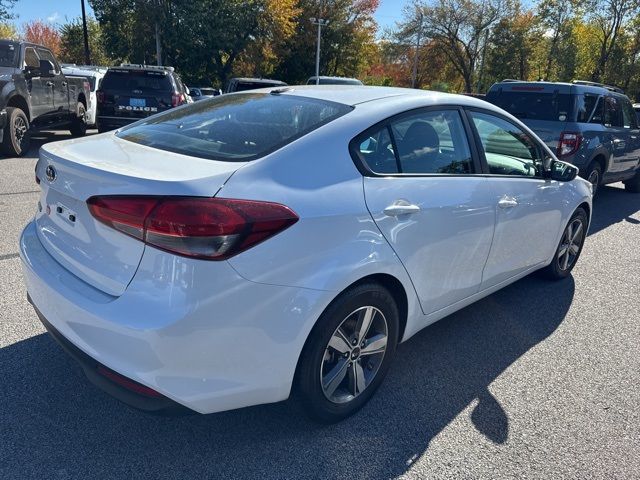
(320, 22)
(87, 55)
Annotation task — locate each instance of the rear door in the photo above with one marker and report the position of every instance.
(622, 136)
(424, 196)
(630, 124)
(527, 206)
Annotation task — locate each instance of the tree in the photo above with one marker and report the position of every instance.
(9, 31)
(556, 18)
(609, 16)
(72, 42)
(459, 28)
(5, 9)
(42, 34)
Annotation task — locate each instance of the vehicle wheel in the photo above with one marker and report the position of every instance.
(633, 185)
(16, 139)
(348, 353)
(594, 176)
(78, 126)
(570, 247)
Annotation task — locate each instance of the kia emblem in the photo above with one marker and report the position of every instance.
(50, 172)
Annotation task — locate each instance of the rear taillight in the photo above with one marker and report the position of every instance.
(100, 96)
(568, 144)
(177, 99)
(207, 228)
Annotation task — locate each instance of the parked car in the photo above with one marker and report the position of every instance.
(242, 84)
(333, 81)
(36, 95)
(131, 92)
(222, 254)
(95, 75)
(201, 93)
(591, 125)
(636, 108)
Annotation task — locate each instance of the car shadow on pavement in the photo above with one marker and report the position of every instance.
(53, 423)
(613, 205)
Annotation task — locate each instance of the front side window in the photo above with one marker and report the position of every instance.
(428, 142)
(31, 58)
(508, 149)
(234, 128)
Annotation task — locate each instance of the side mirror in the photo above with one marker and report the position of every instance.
(47, 69)
(563, 171)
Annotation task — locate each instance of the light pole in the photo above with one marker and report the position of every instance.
(414, 73)
(320, 22)
(87, 56)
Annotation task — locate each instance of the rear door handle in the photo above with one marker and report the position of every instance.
(401, 207)
(49, 84)
(64, 84)
(508, 202)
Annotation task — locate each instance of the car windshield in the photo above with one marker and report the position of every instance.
(234, 128)
(128, 80)
(207, 91)
(9, 55)
(534, 105)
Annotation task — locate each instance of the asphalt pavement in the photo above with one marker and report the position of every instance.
(540, 380)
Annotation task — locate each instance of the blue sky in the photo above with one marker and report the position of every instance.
(58, 10)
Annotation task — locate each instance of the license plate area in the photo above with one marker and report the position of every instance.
(137, 102)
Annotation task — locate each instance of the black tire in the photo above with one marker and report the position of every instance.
(78, 127)
(16, 139)
(558, 269)
(593, 174)
(633, 185)
(349, 308)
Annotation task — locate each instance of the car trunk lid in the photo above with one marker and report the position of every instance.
(73, 171)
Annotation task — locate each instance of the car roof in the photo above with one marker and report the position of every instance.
(359, 94)
(84, 72)
(257, 80)
(549, 87)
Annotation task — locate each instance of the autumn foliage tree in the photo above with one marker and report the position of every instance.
(42, 34)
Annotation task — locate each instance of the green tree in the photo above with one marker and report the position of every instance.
(5, 9)
(72, 42)
(9, 31)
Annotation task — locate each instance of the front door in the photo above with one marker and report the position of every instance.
(623, 135)
(527, 206)
(423, 195)
(40, 88)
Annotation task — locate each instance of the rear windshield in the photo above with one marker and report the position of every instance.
(207, 91)
(234, 128)
(534, 105)
(9, 55)
(145, 81)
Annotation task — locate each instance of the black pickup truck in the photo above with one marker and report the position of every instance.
(36, 95)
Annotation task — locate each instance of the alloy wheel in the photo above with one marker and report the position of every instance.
(20, 129)
(571, 242)
(594, 179)
(354, 354)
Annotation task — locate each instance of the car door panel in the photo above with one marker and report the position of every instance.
(40, 89)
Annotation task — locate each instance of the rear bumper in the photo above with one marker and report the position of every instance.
(91, 367)
(194, 331)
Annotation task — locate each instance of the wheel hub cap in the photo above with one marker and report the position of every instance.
(354, 354)
(571, 243)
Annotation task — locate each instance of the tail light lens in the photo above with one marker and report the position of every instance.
(568, 144)
(100, 96)
(177, 99)
(206, 228)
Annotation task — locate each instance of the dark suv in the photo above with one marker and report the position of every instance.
(591, 125)
(131, 92)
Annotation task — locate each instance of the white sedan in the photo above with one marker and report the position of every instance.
(227, 252)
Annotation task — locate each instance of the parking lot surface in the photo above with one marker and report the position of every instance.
(540, 380)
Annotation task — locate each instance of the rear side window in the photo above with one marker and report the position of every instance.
(422, 143)
(628, 115)
(47, 55)
(145, 81)
(587, 106)
(534, 105)
(234, 128)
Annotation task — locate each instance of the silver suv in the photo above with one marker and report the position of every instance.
(591, 125)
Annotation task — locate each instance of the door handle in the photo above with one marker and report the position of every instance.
(401, 207)
(49, 84)
(64, 84)
(508, 202)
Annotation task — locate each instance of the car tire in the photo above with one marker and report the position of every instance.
(633, 184)
(594, 176)
(569, 248)
(333, 347)
(78, 126)
(16, 139)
